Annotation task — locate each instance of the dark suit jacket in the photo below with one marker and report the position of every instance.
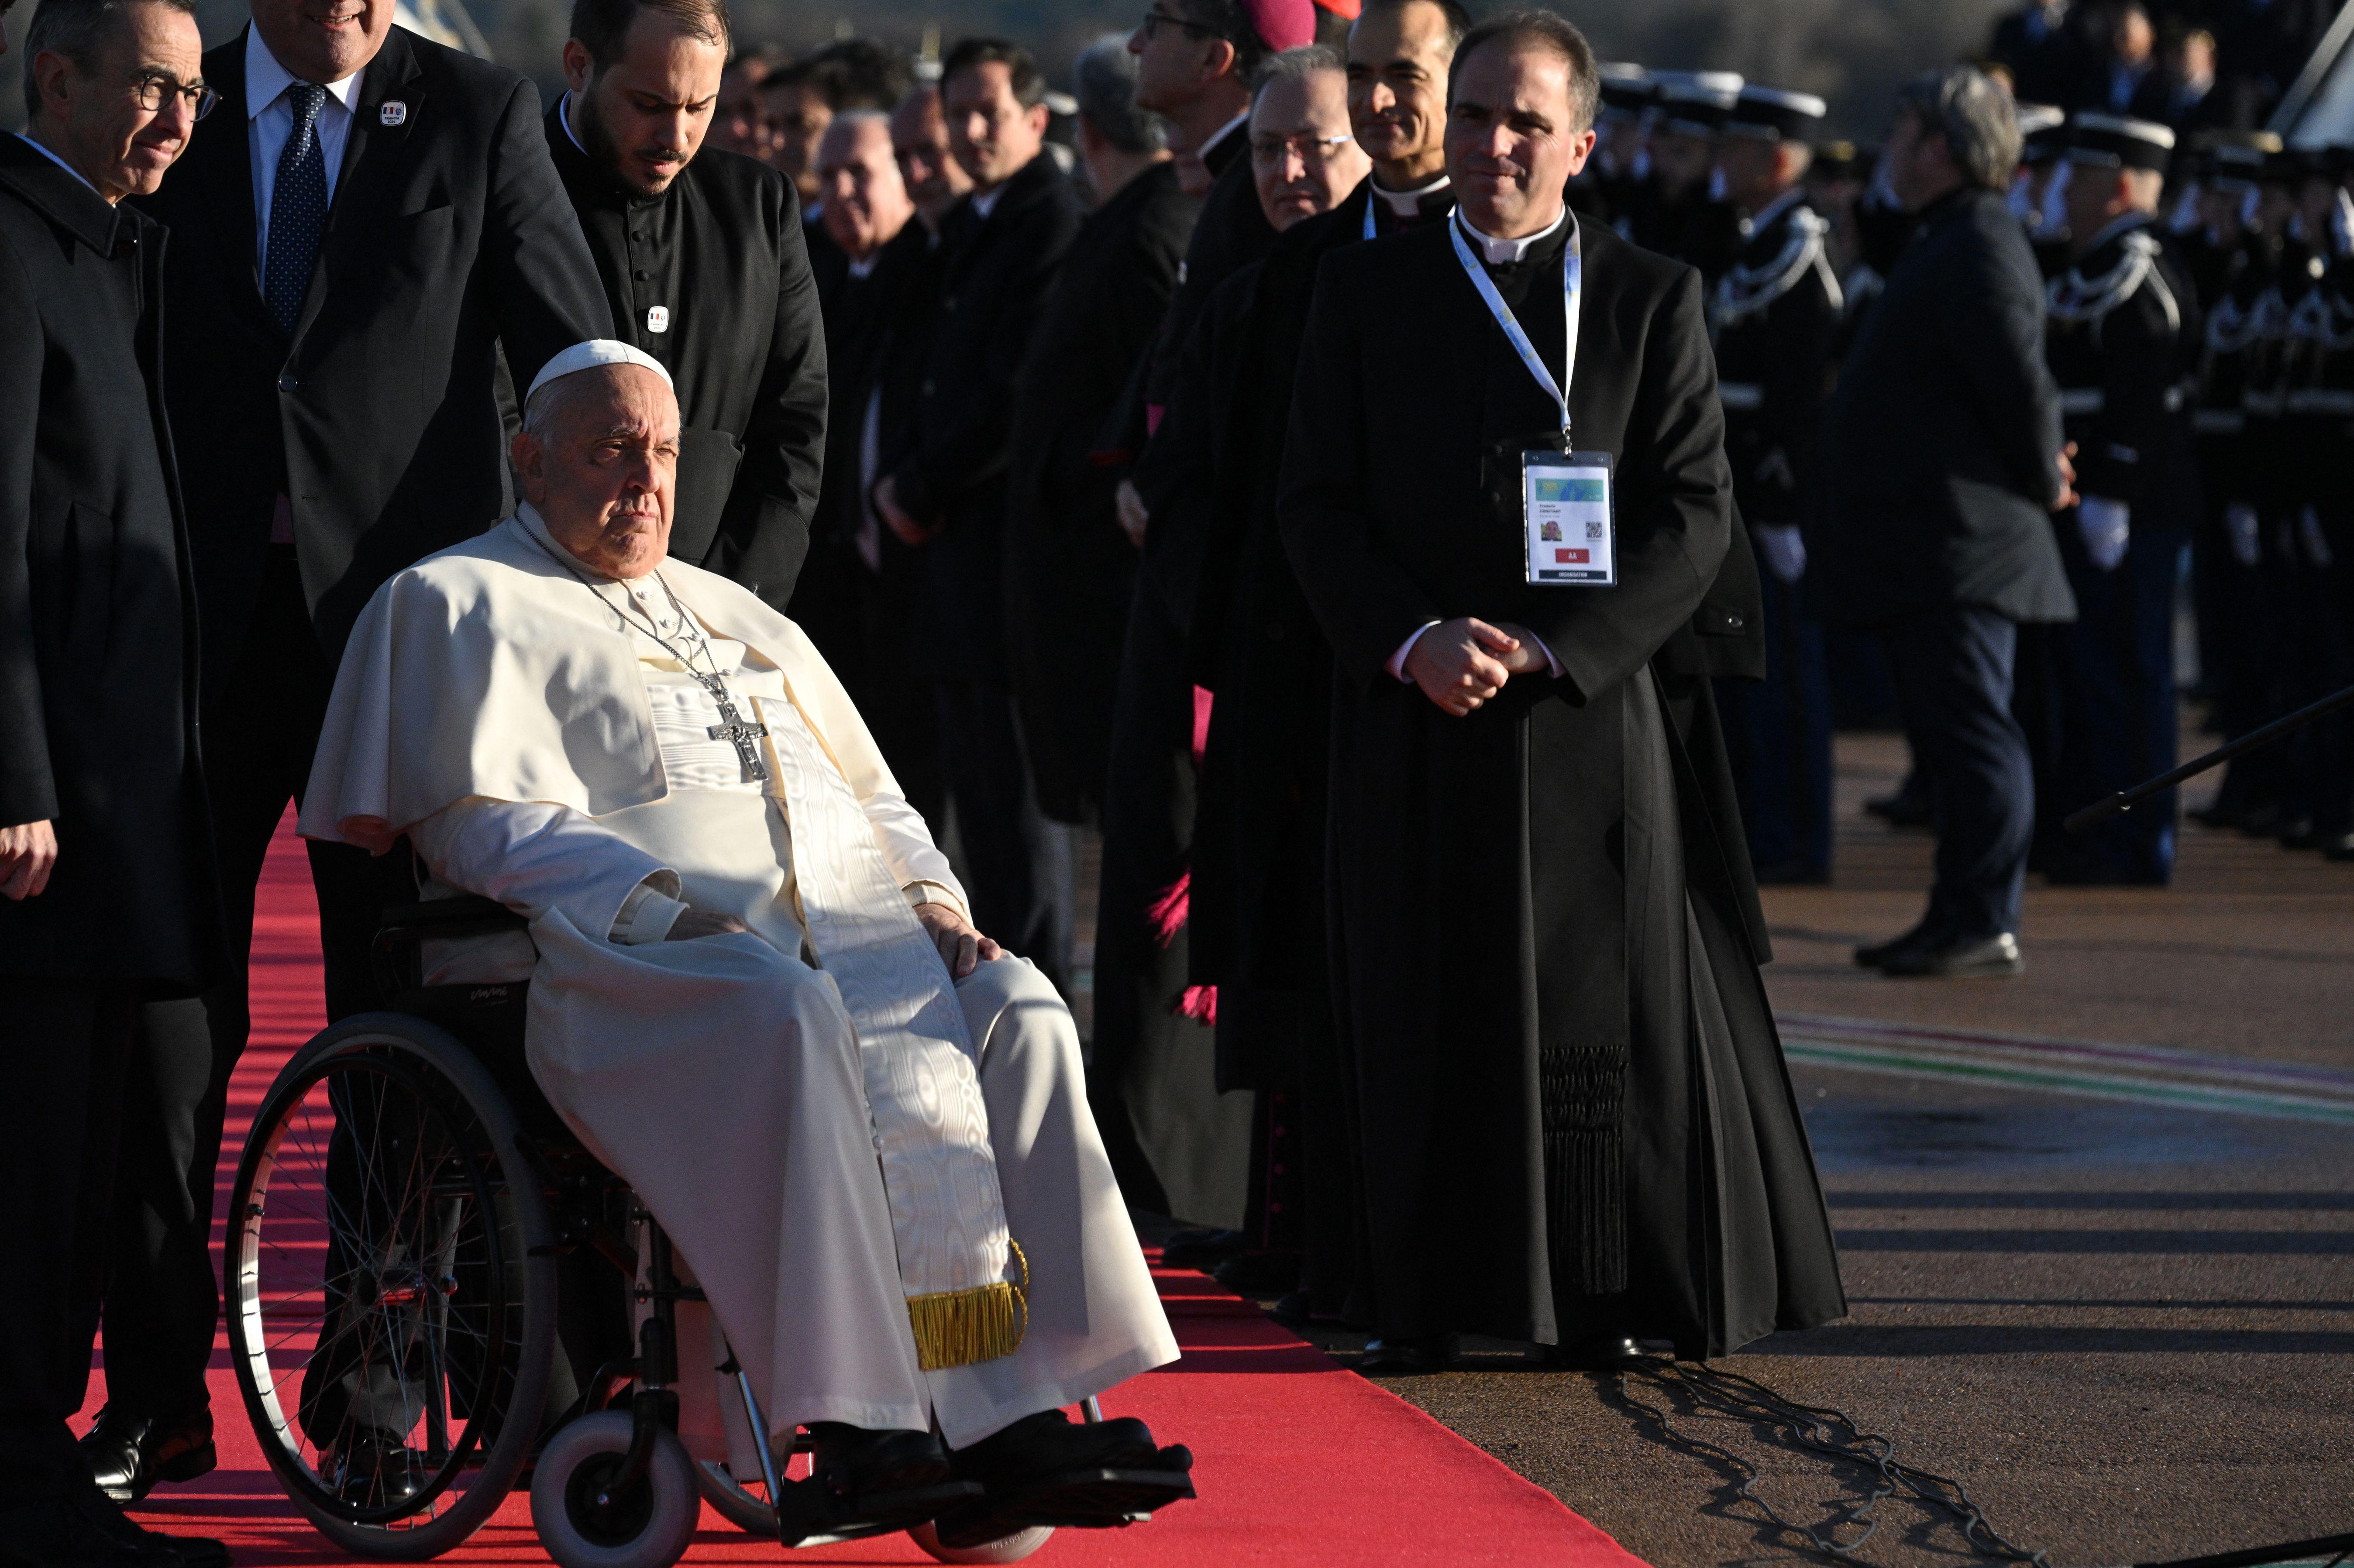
(722, 252)
(1939, 451)
(98, 657)
(449, 235)
(996, 276)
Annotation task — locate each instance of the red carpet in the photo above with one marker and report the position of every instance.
(1297, 1461)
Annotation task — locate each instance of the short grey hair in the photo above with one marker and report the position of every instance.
(1296, 65)
(1975, 116)
(79, 30)
(1103, 79)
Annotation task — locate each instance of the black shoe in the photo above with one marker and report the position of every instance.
(2340, 847)
(129, 1452)
(1406, 1357)
(2262, 821)
(1906, 809)
(375, 1468)
(1048, 1469)
(2299, 834)
(1959, 957)
(182, 1551)
(1293, 1307)
(891, 1479)
(1204, 1250)
(1599, 1352)
(1259, 1274)
(1877, 956)
(46, 1530)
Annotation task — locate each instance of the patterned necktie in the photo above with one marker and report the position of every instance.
(298, 210)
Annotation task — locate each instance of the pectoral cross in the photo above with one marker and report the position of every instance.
(740, 735)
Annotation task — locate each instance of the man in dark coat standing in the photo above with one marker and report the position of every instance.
(1577, 1128)
(943, 485)
(107, 894)
(1775, 317)
(332, 343)
(1942, 465)
(1070, 568)
(704, 267)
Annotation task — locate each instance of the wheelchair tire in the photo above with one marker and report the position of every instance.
(649, 1526)
(444, 1199)
(1012, 1548)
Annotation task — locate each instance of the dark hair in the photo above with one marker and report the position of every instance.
(1029, 83)
(603, 25)
(1458, 20)
(1545, 28)
(79, 30)
(851, 73)
(1230, 21)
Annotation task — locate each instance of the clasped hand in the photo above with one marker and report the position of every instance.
(1464, 663)
(28, 853)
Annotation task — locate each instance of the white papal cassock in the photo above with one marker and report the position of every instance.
(508, 713)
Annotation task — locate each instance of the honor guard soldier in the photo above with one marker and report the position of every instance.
(1775, 315)
(2124, 344)
(2039, 193)
(1621, 162)
(1681, 216)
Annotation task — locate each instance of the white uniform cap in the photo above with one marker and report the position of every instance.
(588, 355)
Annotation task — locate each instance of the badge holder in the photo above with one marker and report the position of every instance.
(1569, 519)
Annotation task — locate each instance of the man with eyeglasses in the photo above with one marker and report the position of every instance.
(368, 224)
(106, 892)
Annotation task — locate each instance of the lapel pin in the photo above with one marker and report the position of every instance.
(658, 318)
(394, 112)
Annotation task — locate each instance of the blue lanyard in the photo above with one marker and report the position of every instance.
(1370, 199)
(1571, 276)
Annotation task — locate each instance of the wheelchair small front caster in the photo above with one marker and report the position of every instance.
(1012, 1548)
(584, 1521)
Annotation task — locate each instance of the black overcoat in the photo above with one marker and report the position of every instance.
(1939, 451)
(448, 236)
(1070, 568)
(721, 254)
(1574, 1110)
(98, 629)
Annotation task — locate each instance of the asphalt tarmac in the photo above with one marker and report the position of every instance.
(2097, 1226)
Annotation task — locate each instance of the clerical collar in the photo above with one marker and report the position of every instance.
(1777, 207)
(1221, 133)
(1505, 252)
(564, 118)
(1408, 204)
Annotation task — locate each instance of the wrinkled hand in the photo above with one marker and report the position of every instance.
(895, 517)
(1463, 662)
(2067, 461)
(28, 853)
(963, 949)
(1134, 515)
(694, 923)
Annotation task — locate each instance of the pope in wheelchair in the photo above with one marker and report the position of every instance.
(754, 994)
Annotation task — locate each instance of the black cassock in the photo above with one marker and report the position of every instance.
(712, 278)
(1575, 1115)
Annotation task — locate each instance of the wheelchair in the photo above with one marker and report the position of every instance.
(417, 1252)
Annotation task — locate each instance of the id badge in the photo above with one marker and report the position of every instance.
(1570, 519)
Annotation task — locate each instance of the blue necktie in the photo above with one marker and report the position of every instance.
(298, 210)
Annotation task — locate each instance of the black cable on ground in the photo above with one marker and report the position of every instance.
(1836, 1437)
(2340, 1546)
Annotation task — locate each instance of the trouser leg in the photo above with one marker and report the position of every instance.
(1954, 668)
(2120, 723)
(60, 1124)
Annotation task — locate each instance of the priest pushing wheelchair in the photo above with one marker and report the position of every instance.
(705, 1150)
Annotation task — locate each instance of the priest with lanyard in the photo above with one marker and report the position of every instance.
(1576, 1128)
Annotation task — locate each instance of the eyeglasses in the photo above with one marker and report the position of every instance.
(1156, 19)
(1269, 150)
(153, 88)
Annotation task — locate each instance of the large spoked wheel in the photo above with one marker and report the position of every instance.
(391, 1327)
(588, 1520)
(1012, 1548)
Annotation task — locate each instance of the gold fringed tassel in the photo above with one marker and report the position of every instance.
(959, 1327)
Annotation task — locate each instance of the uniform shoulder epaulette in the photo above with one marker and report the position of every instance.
(1744, 291)
(2074, 297)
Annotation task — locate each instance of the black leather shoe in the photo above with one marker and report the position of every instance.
(182, 1551)
(1259, 1274)
(129, 1452)
(1599, 1352)
(1877, 955)
(1406, 1357)
(1049, 1470)
(1204, 1250)
(46, 1530)
(377, 1469)
(1959, 957)
(854, 1462)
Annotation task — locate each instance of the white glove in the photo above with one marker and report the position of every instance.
(2317, 543)
(2247, 535)
(1135, 517)
(1785, 551)
(2108, 528)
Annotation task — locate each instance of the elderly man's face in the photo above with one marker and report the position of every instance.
(867, 202)
(603, 467)
(99, 120)
(1303, 157)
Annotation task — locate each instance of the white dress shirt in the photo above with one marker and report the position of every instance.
(270, 120)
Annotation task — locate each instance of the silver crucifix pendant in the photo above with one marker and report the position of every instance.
(741, 735)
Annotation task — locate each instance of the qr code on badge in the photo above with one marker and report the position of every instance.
(1593, 528)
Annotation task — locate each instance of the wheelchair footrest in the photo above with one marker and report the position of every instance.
(808, 1508)
(1094, 1498)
